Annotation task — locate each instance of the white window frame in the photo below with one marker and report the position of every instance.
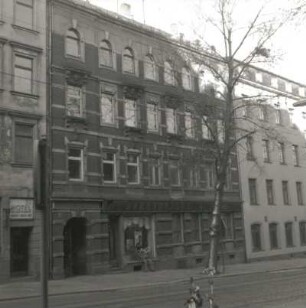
(110, 162)
(31, 70)
(135, 165)
(74, 158)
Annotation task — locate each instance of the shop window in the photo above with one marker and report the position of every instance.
(23, 143)
(106, 54)
(73, 43)
(23, 74)
(128, 64)
(74, 101)
(24, 13)
(109, 167)
(75, 163)
(133, 168)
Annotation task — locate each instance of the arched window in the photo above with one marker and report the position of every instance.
(106, 54)
(168, 73)
(128, 63)
(186, 78)
(73, 44)
(149, 67)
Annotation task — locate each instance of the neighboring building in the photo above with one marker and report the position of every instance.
(129, 160)
(273, 166)
(22, 123)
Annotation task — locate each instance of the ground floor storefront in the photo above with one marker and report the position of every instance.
(94, 237)
(20, 239)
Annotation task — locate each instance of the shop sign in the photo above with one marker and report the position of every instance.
(21, 209)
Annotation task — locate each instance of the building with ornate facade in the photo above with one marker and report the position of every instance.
(22, 124)
(130, 163)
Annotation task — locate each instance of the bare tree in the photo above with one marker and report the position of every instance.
(239, 48)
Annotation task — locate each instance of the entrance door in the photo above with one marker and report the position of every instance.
(114, 242)
(75, 247)
(19, 259)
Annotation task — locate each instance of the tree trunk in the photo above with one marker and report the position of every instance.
(214, 227)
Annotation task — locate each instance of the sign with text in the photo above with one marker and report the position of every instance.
(21, 209)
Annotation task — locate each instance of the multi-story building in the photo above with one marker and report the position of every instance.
(130, 166)
(272, 166)
(22, 123)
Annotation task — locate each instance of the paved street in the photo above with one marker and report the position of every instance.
(256, 290)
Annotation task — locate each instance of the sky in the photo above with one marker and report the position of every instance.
(182, 16)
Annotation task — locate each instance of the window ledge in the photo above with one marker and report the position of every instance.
(22, 165)
(75, 180)
(114, 125)
(17, 93)
(25, 29)
(111, 68)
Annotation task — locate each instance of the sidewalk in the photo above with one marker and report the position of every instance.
(117, 281)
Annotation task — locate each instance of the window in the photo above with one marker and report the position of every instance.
(295, 152)
(174, 173)
(189, 126)
(155, 172)
(73, 43)
(266, 150)
(109, 167)
(299, 193)
(75, 163)
(106, 54)
(262, 113)
(253, 191)
(302, 226)
(74, 102)
(210, 178)
(206, 134)
(130, 113)
(176, 228)
(108, 108)
(227, 226)
(153, 113)
(289, 234)
(168, 73)
(273, 235)
(249, 148)
(128, 64)
(278, 116)
(270, 192)
(191, 227)
(256, 237)
(281, 152)
(220, 131)
(186, 79)
(171, 120)
(150, 68)
(193, 177)
(24, 13)
(23, 74)
(133, 168)
(285, 192)
(23, 143)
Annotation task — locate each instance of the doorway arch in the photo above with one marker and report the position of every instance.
(75, 247)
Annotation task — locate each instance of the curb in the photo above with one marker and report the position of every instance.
(196, 277)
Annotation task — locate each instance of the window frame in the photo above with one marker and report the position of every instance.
(24, 5)
(281, 153)
(289, 236)
(250, 148)
(79, 97)
(80, 159)
(108, 51)
(108, 91)
(295, 152)
(299, 192)
(173, 164)
(186, 79)
(266, 150)
(133, 165)
(131, 121)
(273, 235)
(169, 78)
(77, 40)
(302, 231)
(32, 71)
(270, 192)
(189, 131)
(256, 237)
(153, 100)
(109, 162)
(128, 55)
(285, 192)
(150, 64)
(173, 116)
(155, 164)
(253, 197)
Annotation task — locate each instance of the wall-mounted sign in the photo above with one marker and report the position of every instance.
(21, 209)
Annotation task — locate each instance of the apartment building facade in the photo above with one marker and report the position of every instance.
(22, 124)
(130, 165)
(272, 165)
